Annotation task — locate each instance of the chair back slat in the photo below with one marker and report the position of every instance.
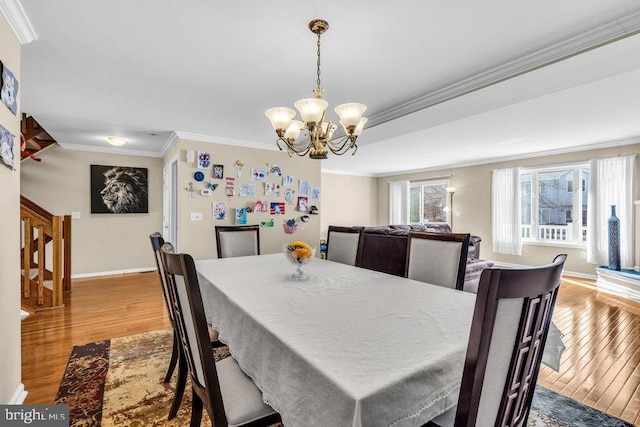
(509, 329)
(239, 240)
(437, 258)
(344, 244)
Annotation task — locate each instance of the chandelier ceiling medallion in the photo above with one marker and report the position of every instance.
(313, 112)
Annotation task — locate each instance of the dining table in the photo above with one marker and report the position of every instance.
(347, 347)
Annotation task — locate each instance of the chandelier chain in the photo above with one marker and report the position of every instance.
(319, 88)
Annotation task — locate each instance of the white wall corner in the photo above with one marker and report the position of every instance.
(19, 396)
(18, 21)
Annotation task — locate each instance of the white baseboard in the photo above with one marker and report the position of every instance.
(618, 285)
(110, 273)
(19, 396)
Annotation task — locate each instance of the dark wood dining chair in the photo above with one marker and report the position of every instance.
(344, 244)
(176, 357)
(509, 330)
(237, 240)
(229, 396)
(437, 258)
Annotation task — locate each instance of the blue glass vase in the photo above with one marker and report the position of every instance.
(614, 240)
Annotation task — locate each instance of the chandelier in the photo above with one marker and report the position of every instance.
(313, 112)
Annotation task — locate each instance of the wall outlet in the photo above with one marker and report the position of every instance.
(583, 255)
(457, 214)
(196, 216)
(76, 215)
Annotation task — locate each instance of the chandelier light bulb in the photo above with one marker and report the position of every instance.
(280, 117)
(294, 129)
(311, 109)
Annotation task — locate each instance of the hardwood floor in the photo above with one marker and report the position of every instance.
(601, 366)
(97, 309)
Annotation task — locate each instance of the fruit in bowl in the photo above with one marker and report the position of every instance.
(299, 253)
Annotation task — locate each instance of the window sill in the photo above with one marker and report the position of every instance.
(560, 244)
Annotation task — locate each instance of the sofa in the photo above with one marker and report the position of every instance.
(384, 248)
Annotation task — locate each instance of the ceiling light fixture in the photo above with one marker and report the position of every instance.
(313, 111)
(117, 141)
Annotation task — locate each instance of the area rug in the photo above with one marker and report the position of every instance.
(118, 382)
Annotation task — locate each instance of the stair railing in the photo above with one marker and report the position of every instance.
(49, 228)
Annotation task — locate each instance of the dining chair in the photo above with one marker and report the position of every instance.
(237, 240)
(176, 356)
(344, 244)
(509, 330)
(437, 258)
(229, 396)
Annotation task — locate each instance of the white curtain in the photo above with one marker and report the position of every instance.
(505, 212)
(611, 182)
(399, 202)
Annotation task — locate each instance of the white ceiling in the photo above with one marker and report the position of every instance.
(438, 77)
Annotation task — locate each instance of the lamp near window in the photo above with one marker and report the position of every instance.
(451, 191)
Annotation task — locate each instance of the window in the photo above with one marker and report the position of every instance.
(550, 210)
(428, 202)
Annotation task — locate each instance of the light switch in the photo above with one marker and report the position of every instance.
(76, 215)
(196, 216)
(457, 214)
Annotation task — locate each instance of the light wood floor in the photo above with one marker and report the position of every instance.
(601, 366)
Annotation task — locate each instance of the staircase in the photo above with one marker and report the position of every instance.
(43, 288)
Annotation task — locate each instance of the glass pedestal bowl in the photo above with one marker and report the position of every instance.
(298, 254)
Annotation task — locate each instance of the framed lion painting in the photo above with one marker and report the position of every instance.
(119, 189)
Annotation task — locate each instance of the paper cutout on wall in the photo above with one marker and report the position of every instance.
(219, 211)
(241, 216)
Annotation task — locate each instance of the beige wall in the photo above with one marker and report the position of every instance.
(198, 237)
(10, 365)
(473, 200)
(101, 243)
(348, 200)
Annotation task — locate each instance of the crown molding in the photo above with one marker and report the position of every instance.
(18, 21)
(173, 140)
(597, 37)
(109, 150)
(225, 141)
(576, 149)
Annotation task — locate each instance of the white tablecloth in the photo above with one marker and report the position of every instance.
(348, 347)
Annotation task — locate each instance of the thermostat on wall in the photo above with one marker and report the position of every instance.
(205, 192)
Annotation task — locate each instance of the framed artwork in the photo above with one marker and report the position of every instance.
(6, 146)
(119, 189)
(303, 203)
(218, 171)
(8, 88)
(204, 160)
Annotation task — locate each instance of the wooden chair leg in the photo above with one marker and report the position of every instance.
(196, 410)
(180, 385)
(174, 358)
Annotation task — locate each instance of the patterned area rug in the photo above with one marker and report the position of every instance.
(118, 382)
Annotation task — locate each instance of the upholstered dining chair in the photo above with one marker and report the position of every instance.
(438, 258)
(509, 330)
(176, 357)
(344, 244)
(237, 240)
(229, 396)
